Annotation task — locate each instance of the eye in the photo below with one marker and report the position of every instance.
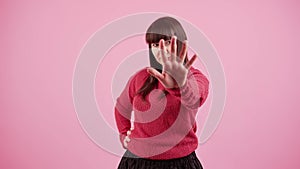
(154, 44)
(168, 42)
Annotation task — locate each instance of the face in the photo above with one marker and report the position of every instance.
(155, 50)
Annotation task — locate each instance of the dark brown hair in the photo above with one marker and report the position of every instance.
(162, 28)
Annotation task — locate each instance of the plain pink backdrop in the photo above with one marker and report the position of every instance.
(258, 44)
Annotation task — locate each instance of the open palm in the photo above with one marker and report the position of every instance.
(174, 73)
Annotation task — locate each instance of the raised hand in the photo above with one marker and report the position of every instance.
(174, 73)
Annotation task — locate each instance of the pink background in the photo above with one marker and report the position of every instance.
(258, 44)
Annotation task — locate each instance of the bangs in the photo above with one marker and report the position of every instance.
(165, 28)
(159, 31)
(155, 38)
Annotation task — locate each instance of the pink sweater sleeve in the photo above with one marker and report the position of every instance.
(194, 92)
(123, 109)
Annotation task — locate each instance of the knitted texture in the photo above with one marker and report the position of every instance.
(164, 125)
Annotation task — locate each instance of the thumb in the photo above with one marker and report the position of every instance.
(155, 73)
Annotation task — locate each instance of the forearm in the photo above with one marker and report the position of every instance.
(123, 124)
(122, 121)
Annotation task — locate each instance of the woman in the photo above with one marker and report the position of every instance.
(165, 99)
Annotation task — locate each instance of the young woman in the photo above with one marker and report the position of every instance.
(165, 98)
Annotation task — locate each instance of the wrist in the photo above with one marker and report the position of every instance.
(182, 84)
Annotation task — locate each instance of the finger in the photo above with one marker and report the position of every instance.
(183, 51)
(125, 144)
(190, 62)
(162, 50)
(127, 139)
(155, 73)
(173, 48)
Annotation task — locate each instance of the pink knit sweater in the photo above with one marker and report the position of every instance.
(164, 125)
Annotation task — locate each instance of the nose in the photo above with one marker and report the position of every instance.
(168, 49)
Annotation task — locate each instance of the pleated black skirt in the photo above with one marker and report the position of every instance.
(131, 161)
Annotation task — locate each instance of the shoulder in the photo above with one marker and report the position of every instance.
(198, 75)
(139, 76)
(142, 73)
(193, 71)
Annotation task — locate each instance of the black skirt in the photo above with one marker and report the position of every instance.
(131, 161)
